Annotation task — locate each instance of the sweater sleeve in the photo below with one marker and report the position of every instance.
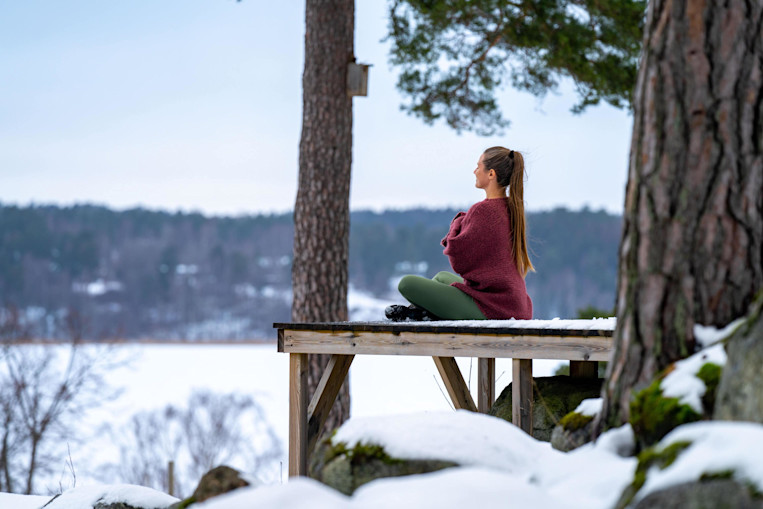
(455, 227)
(467, 244)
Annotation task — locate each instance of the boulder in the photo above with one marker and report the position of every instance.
(346, 469)
(553, 398)
(710, 494)
(704, 477)
(573, 430)
(217, 481)
(739, 397)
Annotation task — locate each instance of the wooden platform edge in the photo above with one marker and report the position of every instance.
(397, 327)
(447, 345)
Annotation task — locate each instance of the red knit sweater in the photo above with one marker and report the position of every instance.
(479, 246)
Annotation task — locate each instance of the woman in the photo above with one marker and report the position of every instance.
(487, 246)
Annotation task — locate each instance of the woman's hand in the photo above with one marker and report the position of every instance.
(460, 214)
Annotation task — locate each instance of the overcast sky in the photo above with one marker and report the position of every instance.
(195, 105)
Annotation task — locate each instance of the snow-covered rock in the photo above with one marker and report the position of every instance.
(103, 495)
(699, 452)
(739, 395)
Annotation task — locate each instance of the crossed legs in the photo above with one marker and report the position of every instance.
(438, 297)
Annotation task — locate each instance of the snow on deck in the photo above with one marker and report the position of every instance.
(556, 323)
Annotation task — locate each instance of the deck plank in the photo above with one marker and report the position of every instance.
(493, 345)
(447, 327)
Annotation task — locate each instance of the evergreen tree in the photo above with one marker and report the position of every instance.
(692, 247)
(322, 209)
(455, 54)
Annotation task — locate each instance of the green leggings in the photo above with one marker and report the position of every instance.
(438, 297)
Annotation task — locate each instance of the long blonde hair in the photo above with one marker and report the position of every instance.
(509, 166)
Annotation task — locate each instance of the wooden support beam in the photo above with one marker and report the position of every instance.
(522, 394)
(486, 377)
(297, 414)
(325, 395)
(454, 383)
(584, 369)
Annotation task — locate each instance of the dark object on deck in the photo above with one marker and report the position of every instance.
(401, 313)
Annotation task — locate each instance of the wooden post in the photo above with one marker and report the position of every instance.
(584, 369)
(325, 395)
(486, 384)
(522, 394)
(171, 478)
(297, 414)
(454, 383)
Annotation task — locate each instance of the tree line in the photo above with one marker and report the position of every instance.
(150, 274)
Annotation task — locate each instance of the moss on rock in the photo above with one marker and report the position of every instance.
(648, 458)
(553, 398)
(574, 430)
(653, 415)
(346, 468)
(710, 374)
(573, 421)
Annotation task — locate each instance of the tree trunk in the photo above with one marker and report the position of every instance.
(6, 484)
(321, 213)
(35, 440)
(692, 249)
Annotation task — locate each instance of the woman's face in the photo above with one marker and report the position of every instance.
(481, 173)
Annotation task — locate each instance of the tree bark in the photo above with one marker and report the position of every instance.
(321, 213)
(692, 250)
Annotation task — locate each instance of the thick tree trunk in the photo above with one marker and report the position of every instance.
(321, 213)
(692, 246)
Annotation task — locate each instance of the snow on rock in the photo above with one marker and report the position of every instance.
(504, 466)
(708, 335)
(620, 441)
(454, 488)
(463, 437)
(13, 501)
(716, 447)
(299, 492)
(590, 407)
(682, 382)
(593, 475)
(87, 496)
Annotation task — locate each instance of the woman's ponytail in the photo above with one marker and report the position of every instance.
(509, 166)
(516, 206)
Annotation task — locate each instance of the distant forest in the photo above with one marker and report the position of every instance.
(145, 274)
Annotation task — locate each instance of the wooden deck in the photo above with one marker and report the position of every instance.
(442, 341)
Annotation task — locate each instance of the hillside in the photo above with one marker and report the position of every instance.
(148, 274)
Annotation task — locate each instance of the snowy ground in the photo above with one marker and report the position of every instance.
(159, 374)
(502, 467)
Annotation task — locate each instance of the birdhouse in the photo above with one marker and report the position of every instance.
(357, 79)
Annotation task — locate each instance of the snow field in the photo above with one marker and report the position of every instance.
(154, 375)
